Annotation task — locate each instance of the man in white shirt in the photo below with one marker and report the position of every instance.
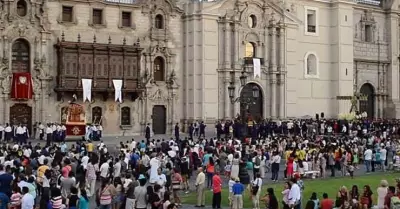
(49, 135)
(20, 134)
(41, 131)
(294, 197)
(85, 161)
(27, 201)
(104, 168)
(133, 145)
(383, 152)
(8, 131)
(117, 168)
(368, 158)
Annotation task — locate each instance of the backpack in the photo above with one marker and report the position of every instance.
(258, 161)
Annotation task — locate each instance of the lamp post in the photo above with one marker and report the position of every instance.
(243, 100)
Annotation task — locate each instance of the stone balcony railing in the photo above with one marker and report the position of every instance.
(369, 2)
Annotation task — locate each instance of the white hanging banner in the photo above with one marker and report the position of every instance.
(87, 89)
(118, 92)
(257, 68)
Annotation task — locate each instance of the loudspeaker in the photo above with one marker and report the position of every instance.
(322, 115)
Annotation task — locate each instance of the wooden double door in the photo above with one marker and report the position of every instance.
(159, 119)
(21, 113)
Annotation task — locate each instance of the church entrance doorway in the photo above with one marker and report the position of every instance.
(368, 106)
(21, 113)
(254, 109)
(159, 116)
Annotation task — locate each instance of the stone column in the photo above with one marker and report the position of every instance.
(273, 67)
(7, 108)
(2, 109)
(376, 107)
(236, 45)
(265, 48)
(227, 102)
(273, 98)
(236, 105)
(44, 101)
(282, 72)
(227, 45)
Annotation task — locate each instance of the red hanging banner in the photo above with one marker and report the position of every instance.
(22, 86)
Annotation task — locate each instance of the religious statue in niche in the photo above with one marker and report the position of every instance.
(76, 113)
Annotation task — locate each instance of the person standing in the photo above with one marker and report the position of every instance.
(200, 185)
(49, 137)
(275, 162)
(27, 201)
(216, 187)
(256, 190)
(294, 197)
(148, 133)
(41, 131)
(368, 159)
(237, 190)
(20, 134)
(8, 133)
(1, 131)
(177, 131)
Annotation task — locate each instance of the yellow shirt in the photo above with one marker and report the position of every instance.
(41, 170)
(302, 154)
(89, 147)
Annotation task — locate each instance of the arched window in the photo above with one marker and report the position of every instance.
(20, 56)
(252, 21)
(21, 8)
(159, 22)
(311, 65)
(125, 116)
(159, 69)
(250, 50)
(97, 115)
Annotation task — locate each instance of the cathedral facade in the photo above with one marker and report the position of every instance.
(181, 61)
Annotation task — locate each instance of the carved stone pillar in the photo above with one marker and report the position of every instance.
(227, 103)
(227, 45)
(2, 109)
(273, 68)
(236, 45)
(44, 100)
(6, 107)
(38, 108)
(236, 105)
(265, 48)
(273, 98)
(376, 108)
(282, 72)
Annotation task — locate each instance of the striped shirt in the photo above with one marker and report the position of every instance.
(91, 171)
(56, 202)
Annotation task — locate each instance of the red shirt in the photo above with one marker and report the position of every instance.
(326, 204)
(217, 184)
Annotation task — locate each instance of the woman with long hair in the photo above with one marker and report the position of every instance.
(176, 186)
(382, 192)
(270, 199)
(210, 171)
(342, 196)
(153, 199)
(354, 196)
(315, 199)
(366, 198)
(105, 194)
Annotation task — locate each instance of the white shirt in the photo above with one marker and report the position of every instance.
(383, 154)
(41, 159)
(117, 169)
(133, 145)
(1, 128)
(8, 129)
(49, 130)
(258, 182)
(27, 201)
(294, 194)
(20, 130)
(104, 169)
(85, 161)
(276, 159)
(368, 154)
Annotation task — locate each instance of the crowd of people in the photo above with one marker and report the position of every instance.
(153, 172)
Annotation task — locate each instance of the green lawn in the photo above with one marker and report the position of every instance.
(320, 186)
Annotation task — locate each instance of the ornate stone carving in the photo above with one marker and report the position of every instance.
(36, 86)
(159, 96)
(5, 75)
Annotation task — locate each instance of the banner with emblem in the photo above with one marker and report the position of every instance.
(22, 86)
(118, 92)
(257, 68)
(87, 89)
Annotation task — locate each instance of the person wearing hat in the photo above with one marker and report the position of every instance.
(200, 185)
(237, 190)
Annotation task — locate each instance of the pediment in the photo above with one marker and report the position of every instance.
(235, 10)
(167, 6)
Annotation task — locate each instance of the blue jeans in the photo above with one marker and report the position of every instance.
(209, 179)
(368, 165)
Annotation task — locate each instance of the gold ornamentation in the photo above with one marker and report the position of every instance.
(76, 130)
